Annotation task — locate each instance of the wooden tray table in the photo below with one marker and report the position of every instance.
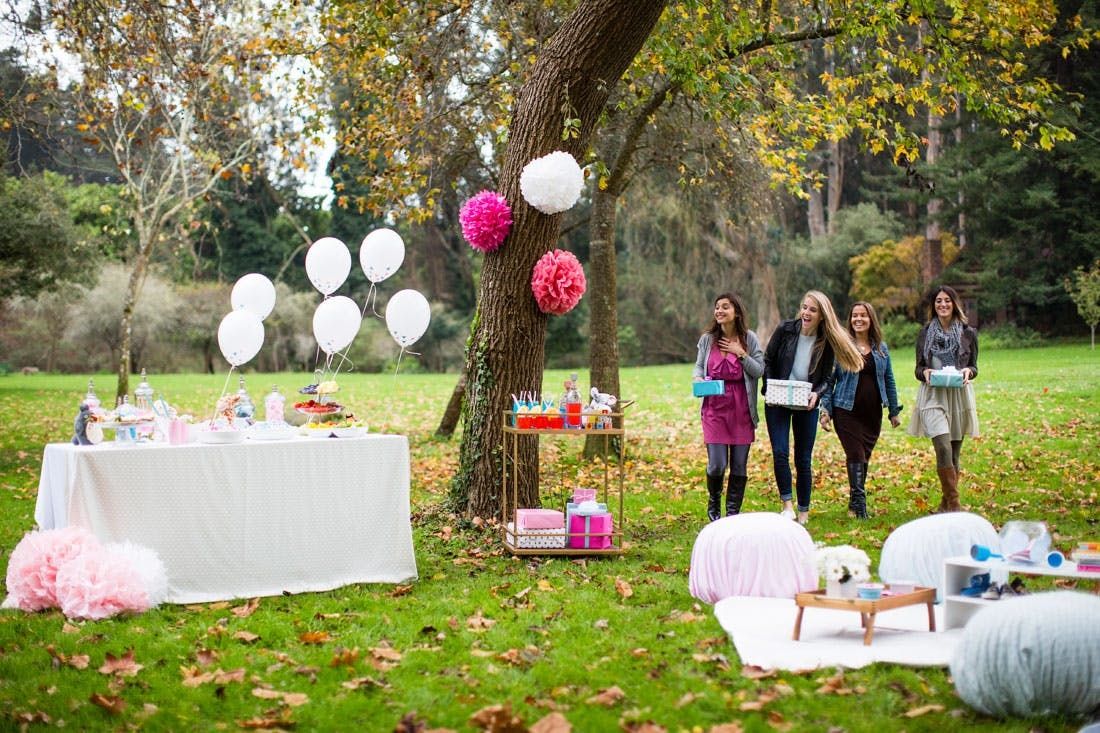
(867, 609)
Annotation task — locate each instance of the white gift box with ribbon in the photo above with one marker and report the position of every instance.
(788, 393)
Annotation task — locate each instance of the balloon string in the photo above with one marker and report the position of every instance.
(224, 387)
(397, 366)
(372, 301)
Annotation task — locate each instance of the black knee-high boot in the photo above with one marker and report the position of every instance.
(857, 495)
(735, 494)
(714, 490)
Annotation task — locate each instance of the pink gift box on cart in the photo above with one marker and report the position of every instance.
(540, 519)
(591, 531)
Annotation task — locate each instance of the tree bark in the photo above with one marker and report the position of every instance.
(933, 239)
(815, 213)
(453, 412)
(577, 68)
(126, 323)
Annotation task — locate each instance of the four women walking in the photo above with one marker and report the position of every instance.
(852, 380)
(730, 352)
(855, 402)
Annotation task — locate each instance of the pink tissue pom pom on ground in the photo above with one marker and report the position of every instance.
(99, 583)
(35, 561)
(557, 282)
(486, 220)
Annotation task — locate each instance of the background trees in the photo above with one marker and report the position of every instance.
(769, 150)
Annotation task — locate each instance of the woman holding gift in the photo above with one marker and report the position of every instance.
(729, 351)
(803, 349)
(855, 402)
(946, 414)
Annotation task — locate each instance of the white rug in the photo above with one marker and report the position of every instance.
(761, 630)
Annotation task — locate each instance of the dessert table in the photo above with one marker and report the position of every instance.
(256, 518)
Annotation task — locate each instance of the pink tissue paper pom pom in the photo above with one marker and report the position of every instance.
(486, 220)
(149, 567)
(557, 282)
(35, 561)
(100, 583)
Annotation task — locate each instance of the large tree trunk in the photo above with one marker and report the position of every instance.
(933, 240)
(766, 301)
(587, 55)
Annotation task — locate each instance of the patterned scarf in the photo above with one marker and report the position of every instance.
(941, 348)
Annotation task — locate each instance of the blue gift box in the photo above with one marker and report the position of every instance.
(945, 378)
(708, 387)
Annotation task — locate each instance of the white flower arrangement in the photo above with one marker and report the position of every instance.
(842, 563)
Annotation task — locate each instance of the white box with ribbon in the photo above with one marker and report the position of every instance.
(789, 393)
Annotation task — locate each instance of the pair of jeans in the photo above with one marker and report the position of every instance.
(803, 424)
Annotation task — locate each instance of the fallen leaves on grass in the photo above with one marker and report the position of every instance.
(923, 710)
(77, 661)
(498, 719)
(344, 657)
(384, 658)
(293, 699)
(193, 677)
(611, 696)
(113, 705)
(123, 666)
(247, 609)
(552, 723)
(361, 682)
(314, 637)
(246, 636)
(282, 720)
(478, 623)
(623, 588)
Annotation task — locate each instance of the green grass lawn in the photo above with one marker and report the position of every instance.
(481, 628)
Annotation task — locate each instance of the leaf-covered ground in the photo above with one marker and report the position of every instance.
(487, 641)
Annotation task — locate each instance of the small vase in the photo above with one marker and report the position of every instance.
(837, 589)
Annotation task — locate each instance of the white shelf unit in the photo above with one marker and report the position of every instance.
(957, 608)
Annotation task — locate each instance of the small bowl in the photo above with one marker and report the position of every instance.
(901, 587)
(869, 591)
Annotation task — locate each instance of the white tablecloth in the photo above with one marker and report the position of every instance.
(257, 518)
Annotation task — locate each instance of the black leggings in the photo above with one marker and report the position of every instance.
(735, 456)
(947, 451)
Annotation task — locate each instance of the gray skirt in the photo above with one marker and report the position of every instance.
(943, 410)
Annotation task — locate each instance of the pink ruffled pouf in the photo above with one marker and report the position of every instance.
(753, 554)
(35, 562)
(100, 583)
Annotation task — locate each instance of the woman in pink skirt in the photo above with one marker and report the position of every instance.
(729, 351)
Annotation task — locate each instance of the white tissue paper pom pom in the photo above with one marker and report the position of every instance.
(149, 566)
(552, 183)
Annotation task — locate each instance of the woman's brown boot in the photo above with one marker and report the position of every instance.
(949, 487)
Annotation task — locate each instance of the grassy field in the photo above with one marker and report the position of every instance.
(542, 636)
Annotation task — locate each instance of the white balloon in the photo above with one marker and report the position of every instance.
(336, 323)
(381, 253)
(240, 336)
(407, 316)
(328, 263)
(255, 293)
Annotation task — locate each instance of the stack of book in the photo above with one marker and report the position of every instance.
(1087, 557)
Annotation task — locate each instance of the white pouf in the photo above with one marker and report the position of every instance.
(1032, 655)
(753, 554)
(916, 550)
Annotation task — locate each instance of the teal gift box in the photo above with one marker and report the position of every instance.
(708, 387)
(945, 378)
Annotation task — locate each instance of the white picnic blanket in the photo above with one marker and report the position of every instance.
(761, 630)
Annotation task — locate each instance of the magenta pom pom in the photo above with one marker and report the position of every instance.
(486, 220)
(100, 583)
(35, 562)
(557, 282)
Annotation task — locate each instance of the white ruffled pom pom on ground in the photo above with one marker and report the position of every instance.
(149, 566)
(552, 183)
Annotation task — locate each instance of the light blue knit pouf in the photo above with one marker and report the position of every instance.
(1032, 655)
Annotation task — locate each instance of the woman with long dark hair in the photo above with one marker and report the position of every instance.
(855, 402)
(946, 414)
(729, 351)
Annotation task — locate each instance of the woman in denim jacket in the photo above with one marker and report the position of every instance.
(856, 400)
